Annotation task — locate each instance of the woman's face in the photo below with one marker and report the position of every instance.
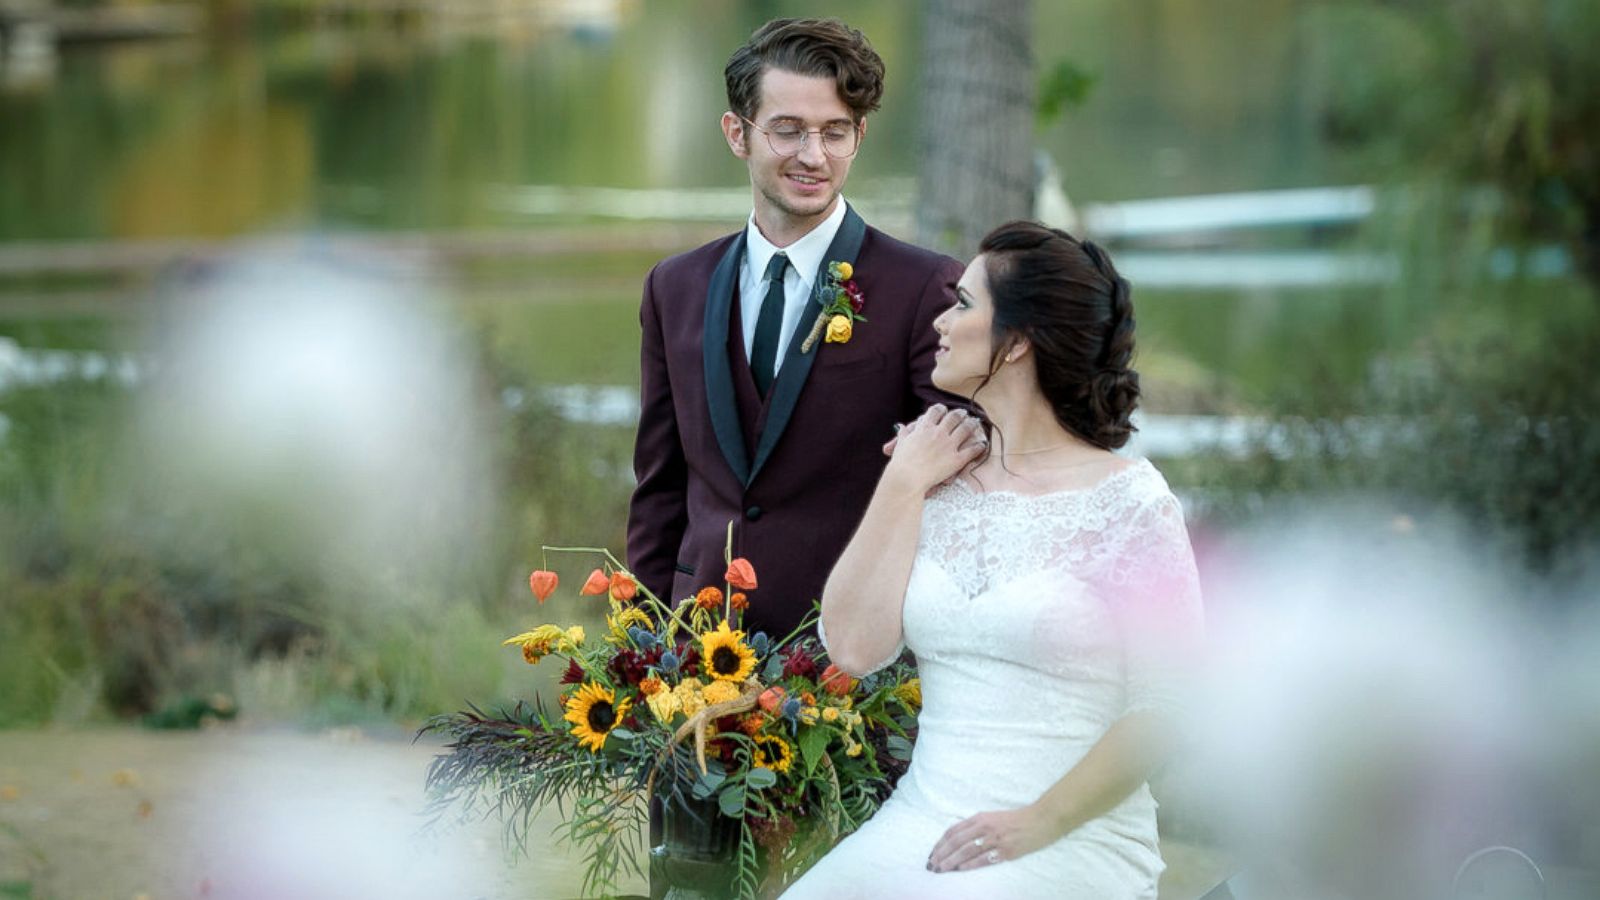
(965, 337)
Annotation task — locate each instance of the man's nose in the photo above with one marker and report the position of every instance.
(811, 151)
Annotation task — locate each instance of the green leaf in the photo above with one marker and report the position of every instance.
(731, 801)
(707, 784)
(774, 669)
(761, 777)
(813, 745)
(899, 747)
(623, 734)
(1064, 86)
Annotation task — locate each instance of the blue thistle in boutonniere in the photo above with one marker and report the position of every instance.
(841, 300)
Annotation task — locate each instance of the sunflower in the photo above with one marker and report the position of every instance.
(594, 712)
(773, 752)
(725, 654)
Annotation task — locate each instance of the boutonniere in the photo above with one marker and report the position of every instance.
(841, 301)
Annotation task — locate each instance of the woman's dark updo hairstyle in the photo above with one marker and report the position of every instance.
(1066, 298)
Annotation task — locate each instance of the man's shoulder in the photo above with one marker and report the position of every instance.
(885, 249)
(696, 263)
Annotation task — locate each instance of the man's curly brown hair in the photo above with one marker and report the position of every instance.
(817, 47)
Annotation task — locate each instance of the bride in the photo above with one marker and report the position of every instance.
(1044, 583)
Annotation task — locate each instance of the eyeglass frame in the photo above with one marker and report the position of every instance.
(805, 134)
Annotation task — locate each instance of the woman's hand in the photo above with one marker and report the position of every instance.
(990, 838)
(934, 448)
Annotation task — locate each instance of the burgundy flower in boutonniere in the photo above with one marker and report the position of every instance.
(841, 300)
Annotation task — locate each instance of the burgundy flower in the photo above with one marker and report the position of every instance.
(797, 662)
(853, 291)
(691, 659)
(574, 673)
(629, 666)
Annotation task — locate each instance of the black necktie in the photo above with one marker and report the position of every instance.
(764, 350)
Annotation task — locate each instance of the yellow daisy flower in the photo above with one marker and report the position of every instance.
(724, 654)
(594, 712)
(773, 752)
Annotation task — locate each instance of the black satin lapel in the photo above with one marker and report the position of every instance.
(719, 374)
(796, 365)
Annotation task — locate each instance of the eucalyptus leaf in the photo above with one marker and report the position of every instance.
(773, 670)
(761, 777)
(623, 734)
(707, 784)
(731, 801)
(899, 747)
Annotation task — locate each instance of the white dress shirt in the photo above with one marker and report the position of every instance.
(805, 257)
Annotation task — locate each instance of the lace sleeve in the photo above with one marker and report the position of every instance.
(1154, 592)
(900, 648)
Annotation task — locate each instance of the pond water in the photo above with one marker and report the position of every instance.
(466, 126)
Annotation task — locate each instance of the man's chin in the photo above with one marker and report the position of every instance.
(806, 207)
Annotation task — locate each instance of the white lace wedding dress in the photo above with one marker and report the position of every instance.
(1037, 622)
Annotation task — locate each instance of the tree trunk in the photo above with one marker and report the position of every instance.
(976, 139)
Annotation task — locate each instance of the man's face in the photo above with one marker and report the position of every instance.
(800, 188)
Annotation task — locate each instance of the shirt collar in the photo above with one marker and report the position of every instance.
(805, 254)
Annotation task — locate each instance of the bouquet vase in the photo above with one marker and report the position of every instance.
(696, 858)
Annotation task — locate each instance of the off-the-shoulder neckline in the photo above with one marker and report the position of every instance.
(1138, 465)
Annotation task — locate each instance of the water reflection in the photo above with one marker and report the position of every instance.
(379, 127)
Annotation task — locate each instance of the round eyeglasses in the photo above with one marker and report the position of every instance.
(838, 140)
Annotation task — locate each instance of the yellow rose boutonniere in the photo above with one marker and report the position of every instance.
(841, 300)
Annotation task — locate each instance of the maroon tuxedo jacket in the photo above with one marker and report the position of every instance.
(792, 472)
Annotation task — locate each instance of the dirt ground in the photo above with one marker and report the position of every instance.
(128, 814)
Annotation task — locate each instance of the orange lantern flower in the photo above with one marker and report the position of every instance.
(772, 698)
(543, 583)
(598, 583)
(836, 681)
(741, 574)
(622, 587)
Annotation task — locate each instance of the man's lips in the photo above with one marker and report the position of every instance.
(806, 181)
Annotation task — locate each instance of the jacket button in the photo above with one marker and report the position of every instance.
(753, 513)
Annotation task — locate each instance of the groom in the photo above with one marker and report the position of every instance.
(742, 419)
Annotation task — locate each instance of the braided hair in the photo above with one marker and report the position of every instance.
(1066, 298)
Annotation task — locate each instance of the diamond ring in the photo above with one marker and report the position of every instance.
(993, 856)
(977, 842)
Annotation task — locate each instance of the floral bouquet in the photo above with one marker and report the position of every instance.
(739, 735)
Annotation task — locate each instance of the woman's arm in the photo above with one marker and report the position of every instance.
(1124, 758)
(865, 593)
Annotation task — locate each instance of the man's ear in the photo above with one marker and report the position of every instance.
(862, 127)
(733, 130)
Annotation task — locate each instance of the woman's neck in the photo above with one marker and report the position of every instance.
(1027, 436)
